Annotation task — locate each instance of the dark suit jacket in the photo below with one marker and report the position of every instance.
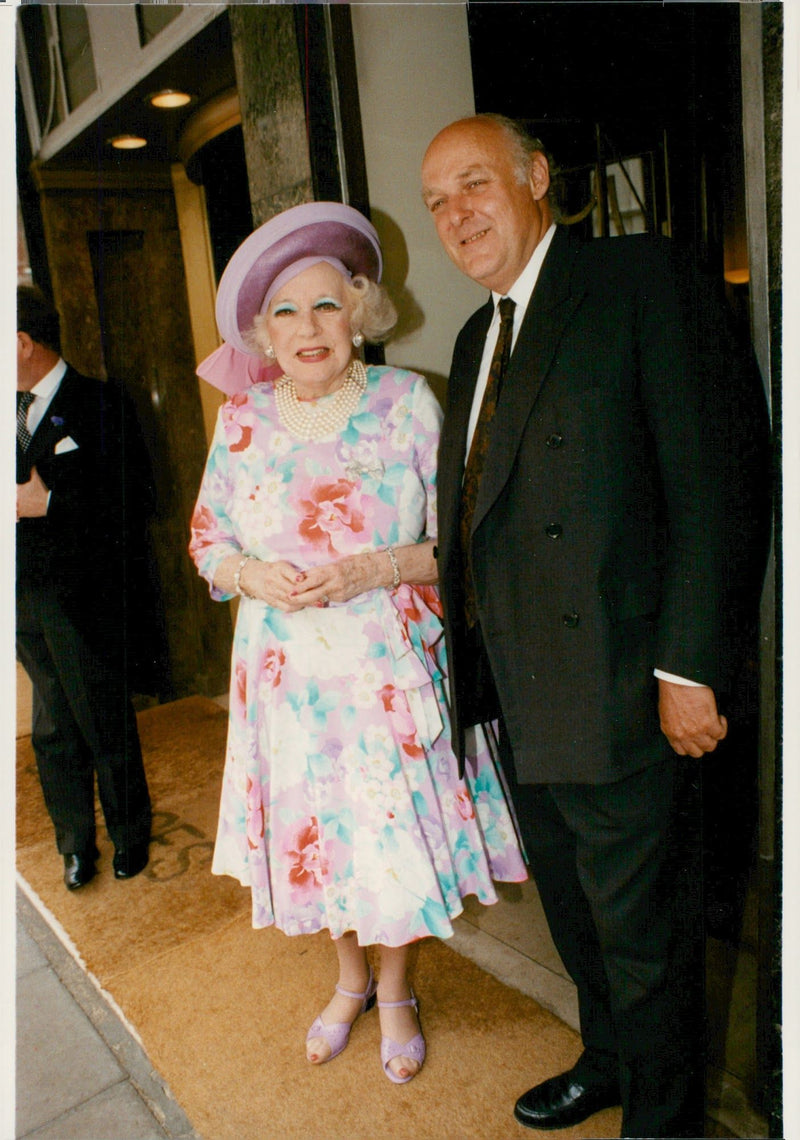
(620, 523)
(90, 542)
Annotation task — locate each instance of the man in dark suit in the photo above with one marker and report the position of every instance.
(609, 563)
(83, 491)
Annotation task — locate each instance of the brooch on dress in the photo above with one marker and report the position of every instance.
(355, 470)
(363, 461)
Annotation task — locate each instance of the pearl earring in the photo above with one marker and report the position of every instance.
(358, 339)
(269, 352)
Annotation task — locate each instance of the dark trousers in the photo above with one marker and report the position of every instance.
(618, 870)
(83, 721)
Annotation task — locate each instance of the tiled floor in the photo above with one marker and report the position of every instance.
(78, 1066)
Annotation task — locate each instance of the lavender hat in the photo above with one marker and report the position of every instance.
(307, 234)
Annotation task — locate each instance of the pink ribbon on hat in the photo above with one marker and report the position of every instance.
(232, 371)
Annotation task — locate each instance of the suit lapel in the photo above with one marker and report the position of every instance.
(54, 425)
(460, 392)
(554, 300)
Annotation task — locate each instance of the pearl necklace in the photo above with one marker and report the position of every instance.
(314, 421)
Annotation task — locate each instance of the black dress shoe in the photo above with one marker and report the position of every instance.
(129, 862)
(79, 868)
(563, 1101)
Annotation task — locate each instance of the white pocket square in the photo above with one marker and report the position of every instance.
(66, 444)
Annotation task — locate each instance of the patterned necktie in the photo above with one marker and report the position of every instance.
(480, 446)
(24, 401)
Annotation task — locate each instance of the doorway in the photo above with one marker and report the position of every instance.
(641, 107)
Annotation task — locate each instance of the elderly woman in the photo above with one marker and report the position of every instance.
(341, 804)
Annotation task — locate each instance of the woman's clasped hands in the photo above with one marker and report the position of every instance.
(284, 586)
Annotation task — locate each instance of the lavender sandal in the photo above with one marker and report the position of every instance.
(338, 1035)
(414, 1049)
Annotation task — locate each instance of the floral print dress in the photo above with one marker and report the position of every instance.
(341, 805)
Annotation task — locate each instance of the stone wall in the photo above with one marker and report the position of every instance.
(273, 111)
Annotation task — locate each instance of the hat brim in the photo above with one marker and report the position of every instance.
(313, 228)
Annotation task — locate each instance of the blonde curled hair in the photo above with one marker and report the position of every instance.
(373, 312)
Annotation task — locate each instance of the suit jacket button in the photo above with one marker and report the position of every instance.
(554, 530)
(555, 440)
(571, 620)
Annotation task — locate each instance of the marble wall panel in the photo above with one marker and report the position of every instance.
(118, 282)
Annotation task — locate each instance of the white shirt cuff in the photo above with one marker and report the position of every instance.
(677, 680)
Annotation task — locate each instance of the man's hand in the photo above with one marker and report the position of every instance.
(689, 718)
(32, 497)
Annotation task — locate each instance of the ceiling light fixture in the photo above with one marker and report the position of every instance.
(169, 98)
(128, 142)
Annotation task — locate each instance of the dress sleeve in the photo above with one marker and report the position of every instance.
(212, 532)
(427, 417)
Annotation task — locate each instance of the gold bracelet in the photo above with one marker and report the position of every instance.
(395, 567)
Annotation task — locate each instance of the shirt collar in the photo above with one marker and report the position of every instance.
(48, 384)
(522, 289)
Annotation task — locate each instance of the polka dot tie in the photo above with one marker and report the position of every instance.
(24, 401)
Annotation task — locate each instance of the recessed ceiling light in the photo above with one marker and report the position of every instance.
(128, 142)
(169, 97)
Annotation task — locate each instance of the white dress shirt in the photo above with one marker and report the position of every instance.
(44, 392)
(520, 293)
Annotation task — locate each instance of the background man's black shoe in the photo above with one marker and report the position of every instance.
(130, 862)
(563, 1101)
(79, 868)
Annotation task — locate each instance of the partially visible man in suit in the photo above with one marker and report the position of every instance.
(83, 492)
(603, 517)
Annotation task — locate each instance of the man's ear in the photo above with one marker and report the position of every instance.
(25, 344)
(539, 175)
